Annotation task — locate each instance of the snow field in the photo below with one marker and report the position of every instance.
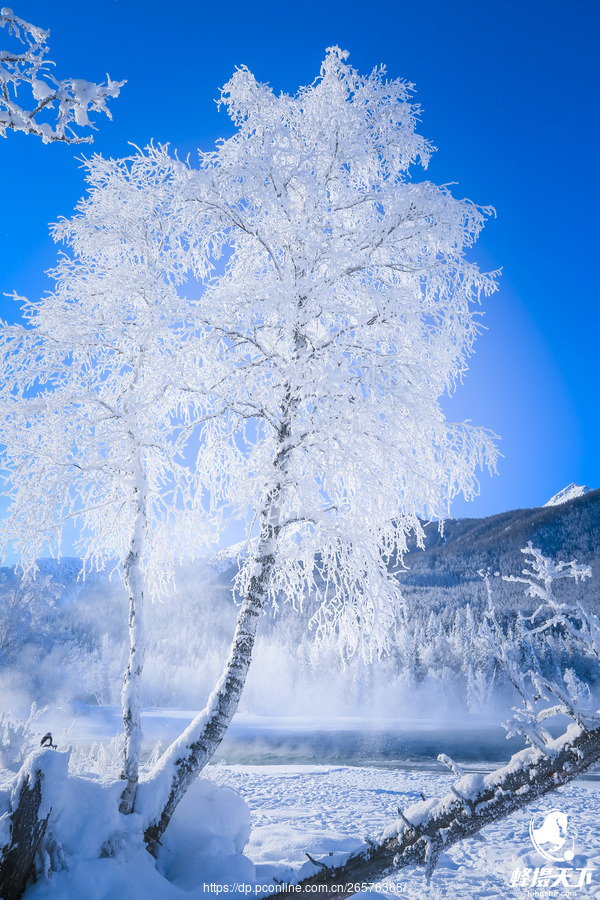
(102, 852)
(242, 827)
(323, 810)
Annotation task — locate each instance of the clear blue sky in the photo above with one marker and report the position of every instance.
(509, 92)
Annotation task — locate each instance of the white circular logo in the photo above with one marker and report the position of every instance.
(551, 836)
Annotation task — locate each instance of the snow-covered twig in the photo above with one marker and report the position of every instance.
(540, 692)
(445, 759)
(70, 99)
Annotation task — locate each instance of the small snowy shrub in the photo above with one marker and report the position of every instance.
(17, 739)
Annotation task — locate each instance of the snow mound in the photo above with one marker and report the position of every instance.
(571, 492)
(205, 839)
(98, 854)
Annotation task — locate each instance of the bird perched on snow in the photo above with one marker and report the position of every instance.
(47, 741)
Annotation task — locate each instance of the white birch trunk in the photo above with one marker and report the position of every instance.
(133, 578)
(166, 784)
(189, 754)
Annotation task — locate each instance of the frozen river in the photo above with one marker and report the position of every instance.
(252, 740)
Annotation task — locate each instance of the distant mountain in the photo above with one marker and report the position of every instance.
(442, 576)
(440, 641)
(571, 492)
(567, 530)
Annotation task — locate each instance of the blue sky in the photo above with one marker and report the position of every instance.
(510, 98)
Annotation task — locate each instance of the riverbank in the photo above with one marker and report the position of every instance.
(265, 819)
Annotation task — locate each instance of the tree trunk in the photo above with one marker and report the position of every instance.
(27, 830)
(429, 827)
(130, 702)
(187, 756)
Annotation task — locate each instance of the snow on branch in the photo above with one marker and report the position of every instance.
(71, 98)
(426, 829)
(429, 827)
(544, 697)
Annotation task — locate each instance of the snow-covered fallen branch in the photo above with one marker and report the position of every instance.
(429, 827)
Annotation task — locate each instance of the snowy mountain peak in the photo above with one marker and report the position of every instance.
(571, 492)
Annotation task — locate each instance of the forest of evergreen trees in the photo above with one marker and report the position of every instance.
(63, 641)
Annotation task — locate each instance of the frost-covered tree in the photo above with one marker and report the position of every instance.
(342, 309)
(335, 308)
(95, 422)
(25, 67)
(427, 828)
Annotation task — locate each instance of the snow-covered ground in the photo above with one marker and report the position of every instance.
(327, 812)
(249, 825)
(320, 809)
